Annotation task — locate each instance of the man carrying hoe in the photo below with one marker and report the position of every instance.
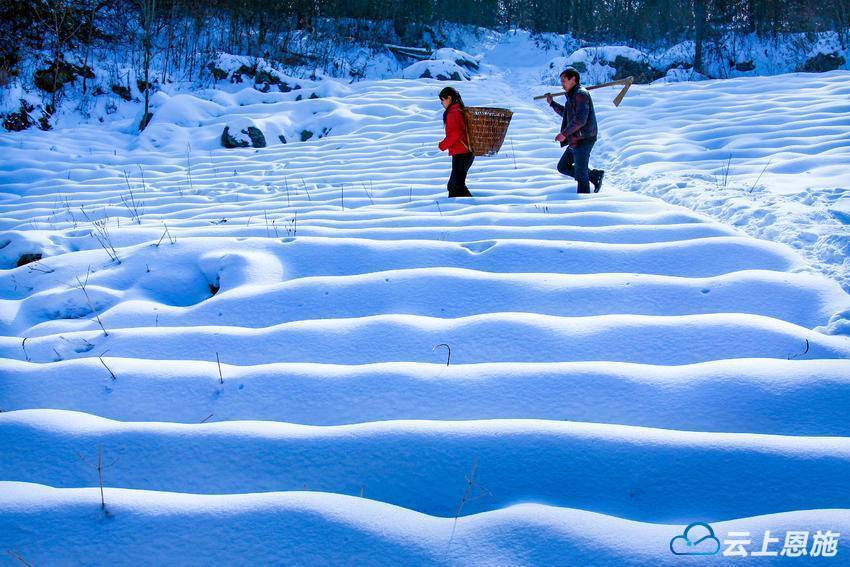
(578, 132)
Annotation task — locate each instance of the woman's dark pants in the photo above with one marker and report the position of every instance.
(457, 180)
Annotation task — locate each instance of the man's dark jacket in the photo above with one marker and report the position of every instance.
(579, 118)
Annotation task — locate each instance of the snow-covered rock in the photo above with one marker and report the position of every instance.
(242, 138)
(251, 70)
(602, 64)
(445, 64)
(442, 70)
(461, 58)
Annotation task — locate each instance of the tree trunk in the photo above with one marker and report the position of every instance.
(148, 11)
(56, 54)
(699, 28)
(94, 10)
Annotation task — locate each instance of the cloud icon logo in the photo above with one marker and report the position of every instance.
(698, 539)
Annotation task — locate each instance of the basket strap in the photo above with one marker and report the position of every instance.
(465, 114)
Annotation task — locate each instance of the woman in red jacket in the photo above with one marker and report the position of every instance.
(456, 142)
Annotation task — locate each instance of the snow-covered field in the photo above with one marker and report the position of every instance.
(256, 341)
(770, 155)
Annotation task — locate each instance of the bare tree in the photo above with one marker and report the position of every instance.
(699, 33)
(148, 8)
(58, 17)
(92, 9)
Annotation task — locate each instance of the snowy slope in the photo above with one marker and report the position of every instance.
(263, 377)
(769, 155)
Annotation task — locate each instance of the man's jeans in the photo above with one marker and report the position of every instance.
(575, 163)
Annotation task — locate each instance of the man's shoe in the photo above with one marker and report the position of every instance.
(596, 179)
(583, 187)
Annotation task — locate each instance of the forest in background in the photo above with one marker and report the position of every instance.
(51, 43)
(248, 26)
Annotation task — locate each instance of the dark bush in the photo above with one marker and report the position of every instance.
(21, 120)
(822, 62)
(64, 73)
(642, 71)
(123, 92)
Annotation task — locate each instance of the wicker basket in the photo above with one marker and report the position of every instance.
(486, 128)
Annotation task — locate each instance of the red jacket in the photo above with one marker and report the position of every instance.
(455, 140)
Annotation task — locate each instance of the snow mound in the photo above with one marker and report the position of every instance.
(182, 110)
(680, 74)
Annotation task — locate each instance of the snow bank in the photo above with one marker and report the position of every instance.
(781, 397)
(299, 527)
(649, 475)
